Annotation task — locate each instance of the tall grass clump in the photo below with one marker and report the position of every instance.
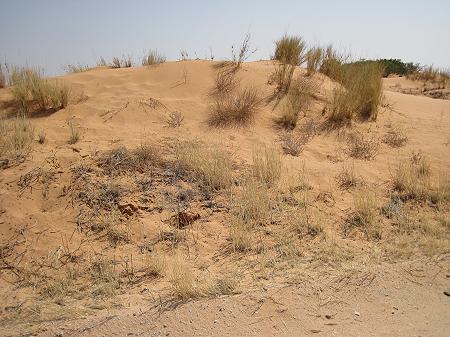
(124, 62)
(313, 60)
(77, 68)
(33, 92)
(360, 94)
(298, 100)
(332, 62)
(16, 138)
(153, 57)
(290, 51)
(236, 108)
(266, 165)
(210, 165)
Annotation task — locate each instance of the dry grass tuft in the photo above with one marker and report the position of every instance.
(331, 64)
(365, 215)
(16, 138)
(225, 84)
(348, 178)
(184, 284)
(156, 264)
(175, 119)
(74, 133)
(395, 138)
(252, 205)
(210, 165)
(360, 95)
(313, 60)
(3, 76)
(244, 53)
(153, 57)
(362, 146)
(241, 236)
(32, 92)
(266, 165)
(77, 68)
(124, 62)
(237, 108)
(42, 137)
(298, 100)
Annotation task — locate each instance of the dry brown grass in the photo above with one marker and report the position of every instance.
(331, 64)
(241, 236)
(153, 57)
(77, 68)
(3, 76)
(252, 205)
(33, 93)
(245, 51)
(210, 165)
(237, 108)
(16, 138)
(266, 165)
(362, 146)
(226, 82)
(365, 215)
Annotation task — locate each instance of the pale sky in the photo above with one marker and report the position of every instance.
(54, 33)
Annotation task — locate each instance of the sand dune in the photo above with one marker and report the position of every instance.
(333, 283)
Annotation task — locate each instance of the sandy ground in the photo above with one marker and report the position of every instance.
(365, 296)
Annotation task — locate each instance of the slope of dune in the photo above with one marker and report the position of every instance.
(337, 282)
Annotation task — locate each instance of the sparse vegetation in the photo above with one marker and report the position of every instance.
(366, 211)
(41, 137)
(362, 146)
(16, 138)
(3, 76)
(313, 60)
(266, 165)
(210, 165)
(347, 178)
(225, 84)
(244, 53)
(395, 138)
(360, 95)
(77, 68)
(74, 133)
(175, 119)
(124, 62)
(236, 108)
(153, 57)
(33, 93)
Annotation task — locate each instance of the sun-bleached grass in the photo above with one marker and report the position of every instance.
(237, 108)
(266, 165)
(226, 83)
(124, 62)
(153, 57)
(3, 76)
(241, 236)
(313, 60)
(16, 138)
(365, 214)
(210, 165)
(32, 92)
(77, 68)
(347, 178)
(252, 204)
(331, 64)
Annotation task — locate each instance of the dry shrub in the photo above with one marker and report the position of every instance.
(293, 142)
(431, 74)
(266, 165)
(124, 62)
(360, 95)
(313, 60)
(298, 100)
(155, 264)
(153, 57)
(42, 137)
(120, 160)
(175, 119)
(347, 178)
(104, 280)
(32, 92)
(362, 146)
(395, 138)
(210, 165)
(239, 108)
(307, 222)
(244, 53)
(76, 68)
(226, 83)
(16, 138)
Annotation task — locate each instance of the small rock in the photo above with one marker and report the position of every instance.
(216, 321)
(357, 313)
(447, 292)
(328, 316)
